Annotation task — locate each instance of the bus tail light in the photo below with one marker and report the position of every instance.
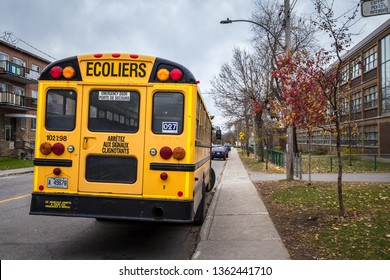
(179, 153)
(68, 72)
(45, 148)
(58, 149)
(166, 152)
(56, 72)
(56, 171)
(164, 176)
(164, 74)
(176, 75)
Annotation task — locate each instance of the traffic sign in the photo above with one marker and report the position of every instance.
(375, 8)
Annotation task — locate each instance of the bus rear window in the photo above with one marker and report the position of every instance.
(113, 111)
(168, 108)
(60, 110)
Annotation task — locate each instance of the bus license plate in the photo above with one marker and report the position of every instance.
(61, 183)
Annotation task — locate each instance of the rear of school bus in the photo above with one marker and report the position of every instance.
(116, 139)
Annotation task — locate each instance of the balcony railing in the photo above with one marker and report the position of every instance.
(9, 98)
(18, 73)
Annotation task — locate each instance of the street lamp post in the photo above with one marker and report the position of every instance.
(287, 47)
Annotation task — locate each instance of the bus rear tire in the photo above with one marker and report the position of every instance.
(200, 214)
(211, 183)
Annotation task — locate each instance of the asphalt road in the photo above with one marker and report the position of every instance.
(28, 237)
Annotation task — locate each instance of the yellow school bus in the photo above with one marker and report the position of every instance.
(121, 136)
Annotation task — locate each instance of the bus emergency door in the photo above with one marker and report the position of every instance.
(112, 140)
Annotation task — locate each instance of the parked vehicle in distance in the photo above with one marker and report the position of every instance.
(218, 152)
(228, 146)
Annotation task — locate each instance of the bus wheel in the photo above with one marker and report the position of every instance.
(211, 184)
(200, 215)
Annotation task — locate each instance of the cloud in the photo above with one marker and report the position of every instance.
(186, 31)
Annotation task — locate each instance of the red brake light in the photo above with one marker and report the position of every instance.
(57, 171)
(56, 72)
(58, 149)
(176, 75)
(166, 152)
(163, 176)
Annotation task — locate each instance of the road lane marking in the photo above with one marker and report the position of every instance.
(14, 198)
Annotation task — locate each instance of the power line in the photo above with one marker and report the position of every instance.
(10, 38)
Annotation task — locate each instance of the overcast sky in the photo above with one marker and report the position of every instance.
(186, 31)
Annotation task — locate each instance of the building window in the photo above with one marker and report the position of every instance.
(33, 123)
(327, 139)
(371, 135)
(22, 123)
(355, 68)
(370, 97)
(385, 69)
(3, 60)
(344, 74)
(35, 70)
(345, 108)
(356, 102)
(370, 59)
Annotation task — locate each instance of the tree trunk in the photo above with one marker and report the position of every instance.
(340, 171)
(309, 160)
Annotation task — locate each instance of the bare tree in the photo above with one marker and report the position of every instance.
(238, 89)
(269, 41)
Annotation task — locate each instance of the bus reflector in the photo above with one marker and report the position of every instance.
(45, 148)
(163, 75)
(57, 171)
(176, 75)
(68, 72)
(56, 72)
(41, 188)
(179, 193)
(179, 153)
(58, 149)
(163, 176)
(166, 152)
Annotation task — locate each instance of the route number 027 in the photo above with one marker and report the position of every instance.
(169, 127)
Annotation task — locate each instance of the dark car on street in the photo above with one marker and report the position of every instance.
(218, 152)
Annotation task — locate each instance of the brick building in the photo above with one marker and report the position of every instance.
(19, 72)
(366, 76)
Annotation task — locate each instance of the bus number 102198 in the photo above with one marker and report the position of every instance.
(51, 137)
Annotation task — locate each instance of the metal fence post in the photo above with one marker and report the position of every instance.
(331, 164)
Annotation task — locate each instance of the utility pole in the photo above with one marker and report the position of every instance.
(290, 130)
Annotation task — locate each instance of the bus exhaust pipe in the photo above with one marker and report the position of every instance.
(158, 211)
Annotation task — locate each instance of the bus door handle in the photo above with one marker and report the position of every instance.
(85, 142)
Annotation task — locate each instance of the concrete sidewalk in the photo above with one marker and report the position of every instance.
(326, 177)
(238, 225)
(19, 171)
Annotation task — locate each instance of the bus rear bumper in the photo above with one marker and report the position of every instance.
(112, 207)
